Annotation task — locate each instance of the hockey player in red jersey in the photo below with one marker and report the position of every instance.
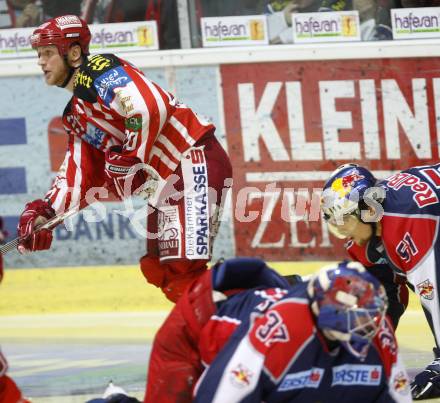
(130, 135)
(394, 221)
(261, 339)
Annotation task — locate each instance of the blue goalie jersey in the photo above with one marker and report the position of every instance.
(277, 354)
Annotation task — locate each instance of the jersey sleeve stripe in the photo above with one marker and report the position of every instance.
(167, 98)
(108, 128)
(156, 151)
(144, 103)
(161, 107)
(176, 154)
(166, 152)
(56, 195)
(182, 130)
(77, 188)
(97, 107)
(163, 169)
(225, 319)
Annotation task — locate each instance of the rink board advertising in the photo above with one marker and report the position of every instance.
(286, 126)
(289, 125)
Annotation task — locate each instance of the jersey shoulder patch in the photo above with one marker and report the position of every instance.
(93, 67)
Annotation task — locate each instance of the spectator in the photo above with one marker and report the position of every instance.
(164, 12)
(55, 8)
(420, 3)
(26, 12)
(375, 18)
(214, 8)
(280, 15)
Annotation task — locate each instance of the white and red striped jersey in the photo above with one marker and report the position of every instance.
(115, 104)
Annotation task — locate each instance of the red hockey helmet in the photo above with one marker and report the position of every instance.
(63, 32)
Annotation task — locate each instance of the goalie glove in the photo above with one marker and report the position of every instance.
(125, 175)
(426, 384)
(35, 213)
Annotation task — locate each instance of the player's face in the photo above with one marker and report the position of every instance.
(351, 227)
(53, 65)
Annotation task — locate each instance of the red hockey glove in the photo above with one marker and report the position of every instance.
(124, 174)
(35, 213)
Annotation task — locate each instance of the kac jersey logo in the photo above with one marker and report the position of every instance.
(304, 379)
(368, 375)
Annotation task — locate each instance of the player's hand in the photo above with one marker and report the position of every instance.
(124, 174)
(35, 213)
(426, 384)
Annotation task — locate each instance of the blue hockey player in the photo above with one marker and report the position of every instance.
(248, 335)
(324, 340)
(394, 222)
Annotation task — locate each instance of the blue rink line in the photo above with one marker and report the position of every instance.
(75, 372)
(76, 369)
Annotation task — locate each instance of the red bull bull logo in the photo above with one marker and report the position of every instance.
(400, 382)
(426, 289)
(342, 186)
(241, 376)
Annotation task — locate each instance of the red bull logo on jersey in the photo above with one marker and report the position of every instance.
(305, 379)
(368, 375)
(197, 233)
(400, 382)
(342, 186)
(426, 289)
(241, 376)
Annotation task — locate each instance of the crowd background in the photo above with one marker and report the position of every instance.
(374, 14)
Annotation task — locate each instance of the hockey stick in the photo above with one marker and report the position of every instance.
(49, 224)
